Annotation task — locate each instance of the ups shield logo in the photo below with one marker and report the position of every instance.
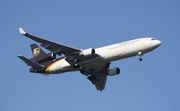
(36, 52)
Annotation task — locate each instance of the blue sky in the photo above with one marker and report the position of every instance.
(150, 85)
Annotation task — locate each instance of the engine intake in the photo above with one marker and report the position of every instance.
(114, 71)
(87, 52)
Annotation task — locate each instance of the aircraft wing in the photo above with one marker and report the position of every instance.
(52, 46)
(100, 81)
(101, 77)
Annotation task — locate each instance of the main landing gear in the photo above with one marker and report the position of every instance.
(86, 72)
(89, 74)
(92, 78)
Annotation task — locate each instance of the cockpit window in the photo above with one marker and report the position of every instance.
(153, 39)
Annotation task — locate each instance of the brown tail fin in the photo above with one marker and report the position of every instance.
(37, 51)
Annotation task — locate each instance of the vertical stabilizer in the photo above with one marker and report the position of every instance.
(37, 51)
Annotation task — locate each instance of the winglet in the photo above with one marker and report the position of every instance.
(22, 31)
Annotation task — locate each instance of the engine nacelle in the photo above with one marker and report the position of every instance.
(50, 56)
(114, 71)
(87, 52)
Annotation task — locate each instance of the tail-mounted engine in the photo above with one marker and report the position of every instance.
(47, 57)
(87, 52)
(114, 71)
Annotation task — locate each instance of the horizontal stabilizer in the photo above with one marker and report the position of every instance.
(30, 62)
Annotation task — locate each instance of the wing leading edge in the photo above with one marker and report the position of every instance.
(52, 46)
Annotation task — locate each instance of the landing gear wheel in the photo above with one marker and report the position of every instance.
(140, 59)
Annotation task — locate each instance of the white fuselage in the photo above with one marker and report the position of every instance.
(108, 54)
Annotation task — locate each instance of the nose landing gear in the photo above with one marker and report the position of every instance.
(140, 54)
(140, 59)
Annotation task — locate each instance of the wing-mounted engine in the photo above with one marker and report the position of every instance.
(87, 52)
(114, 71)
(47, 57)
(74, 59)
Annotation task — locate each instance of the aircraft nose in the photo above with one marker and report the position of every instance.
(158, 42)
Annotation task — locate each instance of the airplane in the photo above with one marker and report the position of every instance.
(92, 62)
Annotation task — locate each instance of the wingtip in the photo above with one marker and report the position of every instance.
(22, 32)
(19, 56)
